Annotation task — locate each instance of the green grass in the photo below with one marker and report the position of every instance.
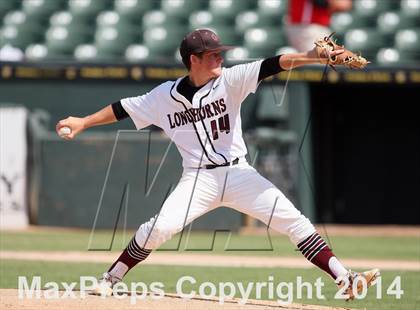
(169, 275)
(392, 248)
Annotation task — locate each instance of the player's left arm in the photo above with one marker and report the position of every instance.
(291, 61)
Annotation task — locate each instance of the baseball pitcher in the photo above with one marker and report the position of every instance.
(200, 113)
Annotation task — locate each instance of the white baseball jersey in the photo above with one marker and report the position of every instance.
(208, 129)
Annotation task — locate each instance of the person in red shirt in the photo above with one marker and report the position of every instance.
(309, 20)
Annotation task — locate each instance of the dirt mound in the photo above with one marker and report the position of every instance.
(9, 300)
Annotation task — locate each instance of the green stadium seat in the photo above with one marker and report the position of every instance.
(6, 7)
(263, 42)
(246, 20)
(407, 42)
(373, 7)
(112, 42)
(61, 18)
(15, 18)
(133, 10)
(137, 53)
(201, 19)
(225, 11)
(41, 9)
(36, 52)
(113, 19)
(156, 18)
(272, 8)
(410, 8)
(20, 35)
(343, 21)
(162, 41)
(85, 52)
(390, 22)
(237, 54)
(87, 10)
(366, 11)
(61, 41)
(226, 35)
(366, 41)
(68, 20)
(388, 56)
(181, 8)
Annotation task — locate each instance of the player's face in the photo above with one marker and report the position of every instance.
(211, 62)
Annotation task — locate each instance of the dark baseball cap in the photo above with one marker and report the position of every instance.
(201, 40)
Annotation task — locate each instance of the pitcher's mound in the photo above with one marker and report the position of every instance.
(9, 300)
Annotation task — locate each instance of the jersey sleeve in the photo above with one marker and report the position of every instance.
(142, 109)
(243, 78)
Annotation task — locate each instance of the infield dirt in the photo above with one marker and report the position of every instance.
(9, 300)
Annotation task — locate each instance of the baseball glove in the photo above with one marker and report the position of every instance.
(348, 59)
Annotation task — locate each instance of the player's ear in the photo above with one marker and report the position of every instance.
(194, 59)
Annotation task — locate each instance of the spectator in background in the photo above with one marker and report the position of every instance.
(309, 20)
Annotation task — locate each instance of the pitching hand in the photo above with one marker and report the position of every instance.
(76, 125)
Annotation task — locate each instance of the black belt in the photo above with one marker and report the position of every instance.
(234, 162)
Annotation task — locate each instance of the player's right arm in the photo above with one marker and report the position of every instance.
(79, 124)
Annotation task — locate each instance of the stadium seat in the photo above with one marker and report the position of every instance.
(390, 22)
(15, 18)
(237, 54)
(410, 8)
(366, 11)
(263, 42)
(85, 52)
(88, 9)
(226, 35)
(61, 41)
(407, 42)
(157, 18)
(344, 21)
(162, 41)
(137, 53)
(111, 42)
(366, 41)
(388, 56)
(373, 7)
(68, 20)
(246, 20)
(19, 35)
(41, 9)
(6, 7)
(181, 8)
(113, 19)
(133, 10)
(272, 9)
(225, 11)
(36, 52)
(201, 19)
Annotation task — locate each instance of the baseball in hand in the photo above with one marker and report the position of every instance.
(64, 131)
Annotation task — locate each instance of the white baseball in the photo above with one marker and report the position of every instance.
(64, 131)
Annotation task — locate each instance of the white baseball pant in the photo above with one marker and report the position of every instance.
(239, 187)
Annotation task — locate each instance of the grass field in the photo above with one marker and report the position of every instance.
(392, 248)
(388, 248)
